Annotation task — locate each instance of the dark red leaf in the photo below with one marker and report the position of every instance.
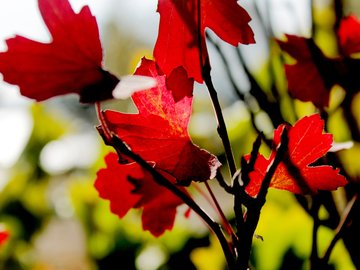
(307, 143)
(305, 81)
(349, 35)
(158, 133)
(313, 75)
(112, 184)
(70, 63)
(179, 84)
(128, 186)
(178, 42)
(4, 236)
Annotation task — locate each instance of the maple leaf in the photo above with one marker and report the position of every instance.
(349, 35)
(180, 84)
(158, 133)
(306, 144)
(70, 63)
(305, 80)
(178, 43)
(313, 75)
(129, 186)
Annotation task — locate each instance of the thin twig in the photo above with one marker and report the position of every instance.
(271, 108)
(314, 211)
(279, 156)
(106, 131)
(205, 70)
(214, 204)
(237, 90)
(248, 167)
(225, 222)
(239, 184)
(222, 130)
(243, 97)
(220, 178)
(342, 226)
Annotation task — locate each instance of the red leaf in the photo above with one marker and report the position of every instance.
(314, 74)
(305, 82)
(159, 131)
(349, 35)
(158, 204)
(178, 43)
(306, 145)
(70, 63)
(4, 236)
(179, 84)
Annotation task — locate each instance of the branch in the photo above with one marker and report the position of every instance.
(253, 211)
(246, 98)
(220, 178)
(280, 154)
(120, 146)
(205, 69)
(344, 221)
(314, 211)
(222, 130)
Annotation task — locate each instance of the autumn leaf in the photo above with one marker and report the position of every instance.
(349, 35)
(129, 186)
(70, 63)
(4, 235)
(180, 84)
(178, 39)
(158, 133)
(313, 75)
(306, 144)
(305, 79)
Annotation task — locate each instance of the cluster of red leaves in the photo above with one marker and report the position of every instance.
(181, 38)
(181, 46)
(158, 133)
(314, 74)
(129, 186)
(70, 63)
(306, 144)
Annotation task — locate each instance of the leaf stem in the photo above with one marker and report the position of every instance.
(102, 121)
(221, 129)
(205, 70)
(212, 201)
(225, 222)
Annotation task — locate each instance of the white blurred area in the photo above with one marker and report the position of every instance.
(21, 17)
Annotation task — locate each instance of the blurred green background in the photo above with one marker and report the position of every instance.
(50, 153)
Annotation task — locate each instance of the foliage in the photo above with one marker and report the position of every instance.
(155, 166)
